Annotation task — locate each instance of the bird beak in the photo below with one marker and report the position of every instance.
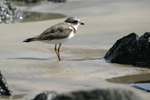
(81, 23)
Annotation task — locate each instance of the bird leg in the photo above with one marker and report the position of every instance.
(57, 52)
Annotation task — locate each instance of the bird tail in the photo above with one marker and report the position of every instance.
(29, 40)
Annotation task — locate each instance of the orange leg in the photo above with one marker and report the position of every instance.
(57, 52)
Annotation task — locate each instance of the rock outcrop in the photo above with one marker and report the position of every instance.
(9, 12)
(48, 95)
(99, 94)
(131, 49)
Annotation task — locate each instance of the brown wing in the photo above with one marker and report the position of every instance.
(58, 31)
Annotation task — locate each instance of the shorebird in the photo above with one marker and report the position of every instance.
(58, 34)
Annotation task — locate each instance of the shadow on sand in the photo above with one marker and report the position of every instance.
(64, 59)
(29, 58)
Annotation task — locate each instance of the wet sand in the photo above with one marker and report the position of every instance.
(31, 68)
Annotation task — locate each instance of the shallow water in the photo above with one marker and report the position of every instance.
(15, 97)
(35, 16)
(33, 70)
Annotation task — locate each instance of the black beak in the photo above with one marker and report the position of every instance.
(81, 23)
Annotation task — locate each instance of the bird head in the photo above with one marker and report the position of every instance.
(74, 21)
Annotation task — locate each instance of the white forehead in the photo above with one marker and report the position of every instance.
(78, 19)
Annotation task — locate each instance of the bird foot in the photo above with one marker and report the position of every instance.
(60, 59)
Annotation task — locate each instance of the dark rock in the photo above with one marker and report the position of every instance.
(4, 90)
(32, 1)
(57, 0)
(99, 94)
(48, 95)
(131, 49)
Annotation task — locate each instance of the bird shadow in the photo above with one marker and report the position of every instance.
(64, 59)
(29, 58)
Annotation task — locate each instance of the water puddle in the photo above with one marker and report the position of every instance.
(35, 16)
(140, 81)
(130, 79)
(12, 97)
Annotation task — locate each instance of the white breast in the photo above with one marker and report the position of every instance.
(71, 35)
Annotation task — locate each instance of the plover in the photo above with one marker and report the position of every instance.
(58, 34)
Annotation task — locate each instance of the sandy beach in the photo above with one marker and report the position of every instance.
(31, 68)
